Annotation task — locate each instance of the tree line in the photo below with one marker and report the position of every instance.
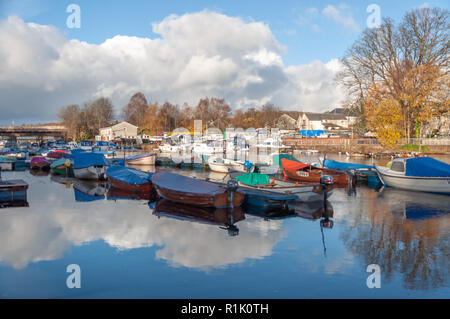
(397, 76)
(153, 118)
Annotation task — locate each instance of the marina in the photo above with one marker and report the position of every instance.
(228, 160)
(146, 216)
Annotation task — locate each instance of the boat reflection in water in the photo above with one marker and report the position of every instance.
(315, 210)
(39, 172)
(415, 205)
(88, 191)
(403, 232)
(225, 218)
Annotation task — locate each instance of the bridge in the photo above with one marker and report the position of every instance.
(36, 133)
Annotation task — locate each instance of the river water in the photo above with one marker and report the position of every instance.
(126, 250)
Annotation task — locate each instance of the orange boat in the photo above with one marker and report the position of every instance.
(308, 173)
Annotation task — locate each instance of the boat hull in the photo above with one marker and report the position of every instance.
(186, 190)
(439, 185)
(63, 171)
(313, 176)
(218, 200)
(6, 166)
(219, 167)
(145, 188)
(147, 160)
(13, 191)
(90, 173)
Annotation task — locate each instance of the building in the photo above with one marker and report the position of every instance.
(286, 122)
(349, 114)
(334, 120)
(121, 130)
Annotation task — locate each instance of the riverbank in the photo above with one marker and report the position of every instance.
(366, 146)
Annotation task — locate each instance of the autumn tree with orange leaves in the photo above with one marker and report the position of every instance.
(399, 68)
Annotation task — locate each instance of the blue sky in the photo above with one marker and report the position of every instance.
(289, 20)
(247, 52)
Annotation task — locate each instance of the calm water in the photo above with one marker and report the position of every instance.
(126, 251)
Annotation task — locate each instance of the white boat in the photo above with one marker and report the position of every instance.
(7, 166)
(141, 159)
(165, 148)
(92, 173)
(423, 174)
(210, 147)
(86, 146)
(239, 166)
(217, 164)
(90, 166)
(220, 165)
(272, 143)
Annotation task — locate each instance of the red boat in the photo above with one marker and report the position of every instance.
(56, 154)
(308, 173)
(192, 191)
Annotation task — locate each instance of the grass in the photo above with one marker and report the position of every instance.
(413, 147)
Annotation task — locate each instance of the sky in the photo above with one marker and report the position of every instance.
(248, 52)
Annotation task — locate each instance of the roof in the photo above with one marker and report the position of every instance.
(341, 110)
(324, 116)
(118, 124)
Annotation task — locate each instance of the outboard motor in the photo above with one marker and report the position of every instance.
(325, 182)
(232, 186)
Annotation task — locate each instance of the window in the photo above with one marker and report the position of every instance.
(398, 167)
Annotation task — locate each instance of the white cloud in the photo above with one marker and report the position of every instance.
(56, 222)
(195, 55)
(341, 15)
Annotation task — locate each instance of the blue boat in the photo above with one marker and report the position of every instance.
(131, 180)
(89, 166)
(362, 171)
(423, 174)
(345, 166)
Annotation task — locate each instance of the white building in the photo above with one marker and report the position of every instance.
(120, 130)
(323, 121)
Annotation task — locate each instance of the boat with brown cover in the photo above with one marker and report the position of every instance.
(192, 191)
(307, 173)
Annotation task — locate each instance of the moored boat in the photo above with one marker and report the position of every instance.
(13, 191)
(307, 173)
(270, 193)
(63, 167)
(217, 164)
(131, 180)
(423, 174)
(141, 159)
(39, 163)
(192, 191)
(89, 166)
(362, 171)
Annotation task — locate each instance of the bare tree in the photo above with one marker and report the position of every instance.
(69, 116)
(386, 55)
(134, 111)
